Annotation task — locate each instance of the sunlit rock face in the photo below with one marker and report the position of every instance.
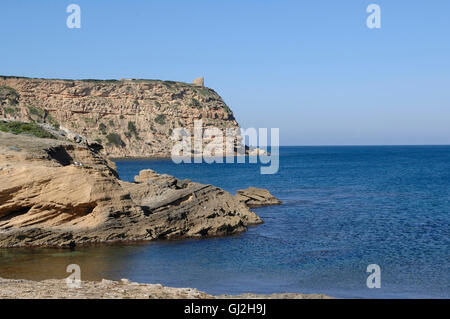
(54, 192)
(130, 118)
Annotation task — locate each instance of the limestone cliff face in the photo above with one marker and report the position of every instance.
(130, 118)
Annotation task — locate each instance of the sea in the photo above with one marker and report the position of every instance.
(344, 208)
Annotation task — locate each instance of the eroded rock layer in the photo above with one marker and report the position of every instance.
(130, 118)
(57, 193)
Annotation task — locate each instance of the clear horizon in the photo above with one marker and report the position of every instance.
(312, 68)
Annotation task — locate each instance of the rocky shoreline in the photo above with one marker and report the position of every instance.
(59, 189)
(124, 289)
(56, 192)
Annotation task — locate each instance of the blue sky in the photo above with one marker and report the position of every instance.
(311, 68)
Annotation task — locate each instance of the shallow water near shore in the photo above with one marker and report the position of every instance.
(343, 209)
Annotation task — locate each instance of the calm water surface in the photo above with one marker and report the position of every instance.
(344, 208)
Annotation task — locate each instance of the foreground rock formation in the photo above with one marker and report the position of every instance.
(256, 197)
(130, 118)
(58, 193)
(107, 289)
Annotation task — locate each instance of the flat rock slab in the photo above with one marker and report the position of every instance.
(60, 194)
(256, 197)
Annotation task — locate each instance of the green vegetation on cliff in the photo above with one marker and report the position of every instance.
(40, 115)
(132, 128)
(24, 128)
(102, 128)
(136, 114)
(161, 119)
(114, 139)
(8, 96)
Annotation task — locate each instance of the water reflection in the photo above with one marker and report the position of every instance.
(96, 262)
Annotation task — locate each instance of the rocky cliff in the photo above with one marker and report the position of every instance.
(130, 118)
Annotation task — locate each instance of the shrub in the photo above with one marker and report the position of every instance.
(53, 122)
(102, 128)
(10, 110)
(161, 119)
(195, 103)
(128, 89)
(132, 128)
(170, 83)
(100, 81)
(205, 92)
(8, 95)
(88, 120)
(114, 139)
(33, 110)
(25, 128)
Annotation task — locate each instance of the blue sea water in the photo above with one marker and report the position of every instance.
(343, 209)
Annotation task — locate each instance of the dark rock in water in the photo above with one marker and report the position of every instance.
(256, 197)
